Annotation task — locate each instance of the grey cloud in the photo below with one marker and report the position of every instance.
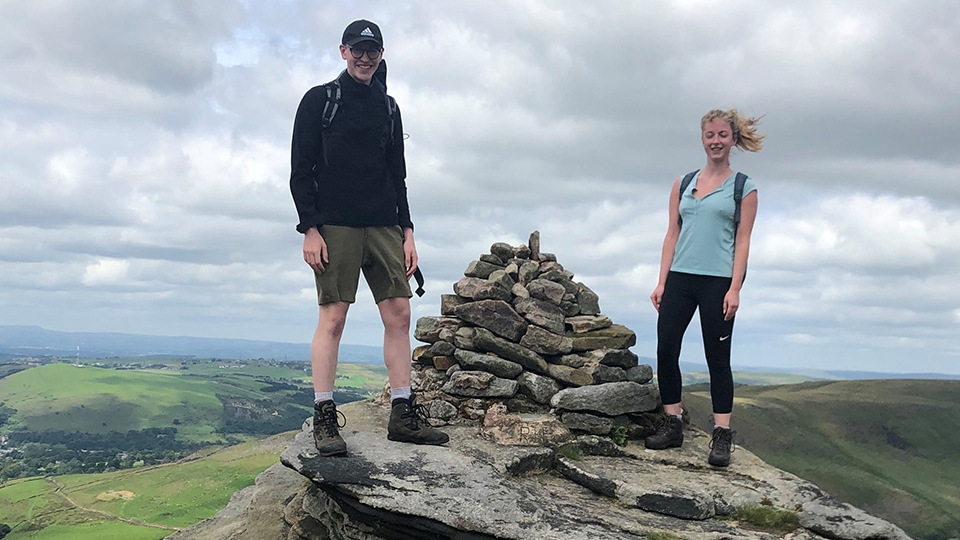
(566, 117)
(115, 62)
(669, 72)
(165, 46)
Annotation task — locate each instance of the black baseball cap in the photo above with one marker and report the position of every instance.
(362, 30)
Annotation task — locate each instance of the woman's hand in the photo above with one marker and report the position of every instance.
(656, 296)
(731, 303)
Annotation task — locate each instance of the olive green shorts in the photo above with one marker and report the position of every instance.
(378, 251)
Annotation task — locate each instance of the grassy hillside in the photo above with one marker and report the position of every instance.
(63, 419)
(94, 400)
(888, 446)
(752, 378)
(205, 400)
(146, 503)
(99, 400)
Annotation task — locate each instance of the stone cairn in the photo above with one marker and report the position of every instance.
(521, 336)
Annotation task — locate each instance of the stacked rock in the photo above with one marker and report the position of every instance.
(519, 330)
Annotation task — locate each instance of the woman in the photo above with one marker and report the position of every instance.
(702, 266)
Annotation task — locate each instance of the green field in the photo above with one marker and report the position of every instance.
(186, 395)
(752, 378)
(60, 419)
(161, 498)
(197, 397)
(99, 400)
(95, 400)
(888, 446)
(92, 530)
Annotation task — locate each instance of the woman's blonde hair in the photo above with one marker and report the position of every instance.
(744, 129)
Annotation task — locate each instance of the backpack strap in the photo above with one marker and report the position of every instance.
(332, 105)
(683, 187)
(738, 184)
(418, 275)
(330, 108)
(333, 102)
(391, 103)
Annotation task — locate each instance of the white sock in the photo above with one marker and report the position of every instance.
(721, 427)
(402, 392)
(322, 396)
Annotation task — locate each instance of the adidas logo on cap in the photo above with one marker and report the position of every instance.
(367, 32)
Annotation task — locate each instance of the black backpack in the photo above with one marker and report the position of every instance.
(738, 184)
(332, 105)
(334, 95)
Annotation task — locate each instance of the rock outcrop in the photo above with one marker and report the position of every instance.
(476, 489)
(541, 397)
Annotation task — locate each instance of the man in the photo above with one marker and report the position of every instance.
(348, 184)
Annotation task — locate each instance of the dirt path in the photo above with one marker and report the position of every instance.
(59, 491)
(198, 455)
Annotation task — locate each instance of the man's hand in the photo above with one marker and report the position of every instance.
(314, 250)
(410, 259)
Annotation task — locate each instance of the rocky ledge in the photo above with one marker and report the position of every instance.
(474, 488)
(536, 389)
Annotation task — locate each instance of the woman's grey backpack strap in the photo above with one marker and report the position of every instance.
(738, 183)
(683, 187)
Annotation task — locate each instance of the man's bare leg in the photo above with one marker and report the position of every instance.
(395, 314)
(405, 423)
(323, 359)
(326, 345)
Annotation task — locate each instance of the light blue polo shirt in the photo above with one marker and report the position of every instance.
(705, 246)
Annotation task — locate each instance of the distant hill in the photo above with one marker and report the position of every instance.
(25, 341)
(888, 446)
(203, 400)
(61, 418)
(95, 400)
(799, 374)
(20, 341)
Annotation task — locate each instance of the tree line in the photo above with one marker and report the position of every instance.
(41, 453)
(57, 452)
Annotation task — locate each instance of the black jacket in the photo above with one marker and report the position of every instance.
(361, 183)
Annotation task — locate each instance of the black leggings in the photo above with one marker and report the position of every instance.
(682, 295)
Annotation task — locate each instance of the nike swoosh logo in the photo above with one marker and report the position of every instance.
(724, 338)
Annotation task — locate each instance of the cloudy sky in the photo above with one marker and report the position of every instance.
(144, 160)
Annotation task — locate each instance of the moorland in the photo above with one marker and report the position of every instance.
(132, 448)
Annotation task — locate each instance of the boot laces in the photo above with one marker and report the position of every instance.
(330, 421)
(722, 440)
(663, 426)
(414, 414)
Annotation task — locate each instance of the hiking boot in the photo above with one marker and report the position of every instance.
(721, 446)
(408, 423)
(326, 429)
(669, 434)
